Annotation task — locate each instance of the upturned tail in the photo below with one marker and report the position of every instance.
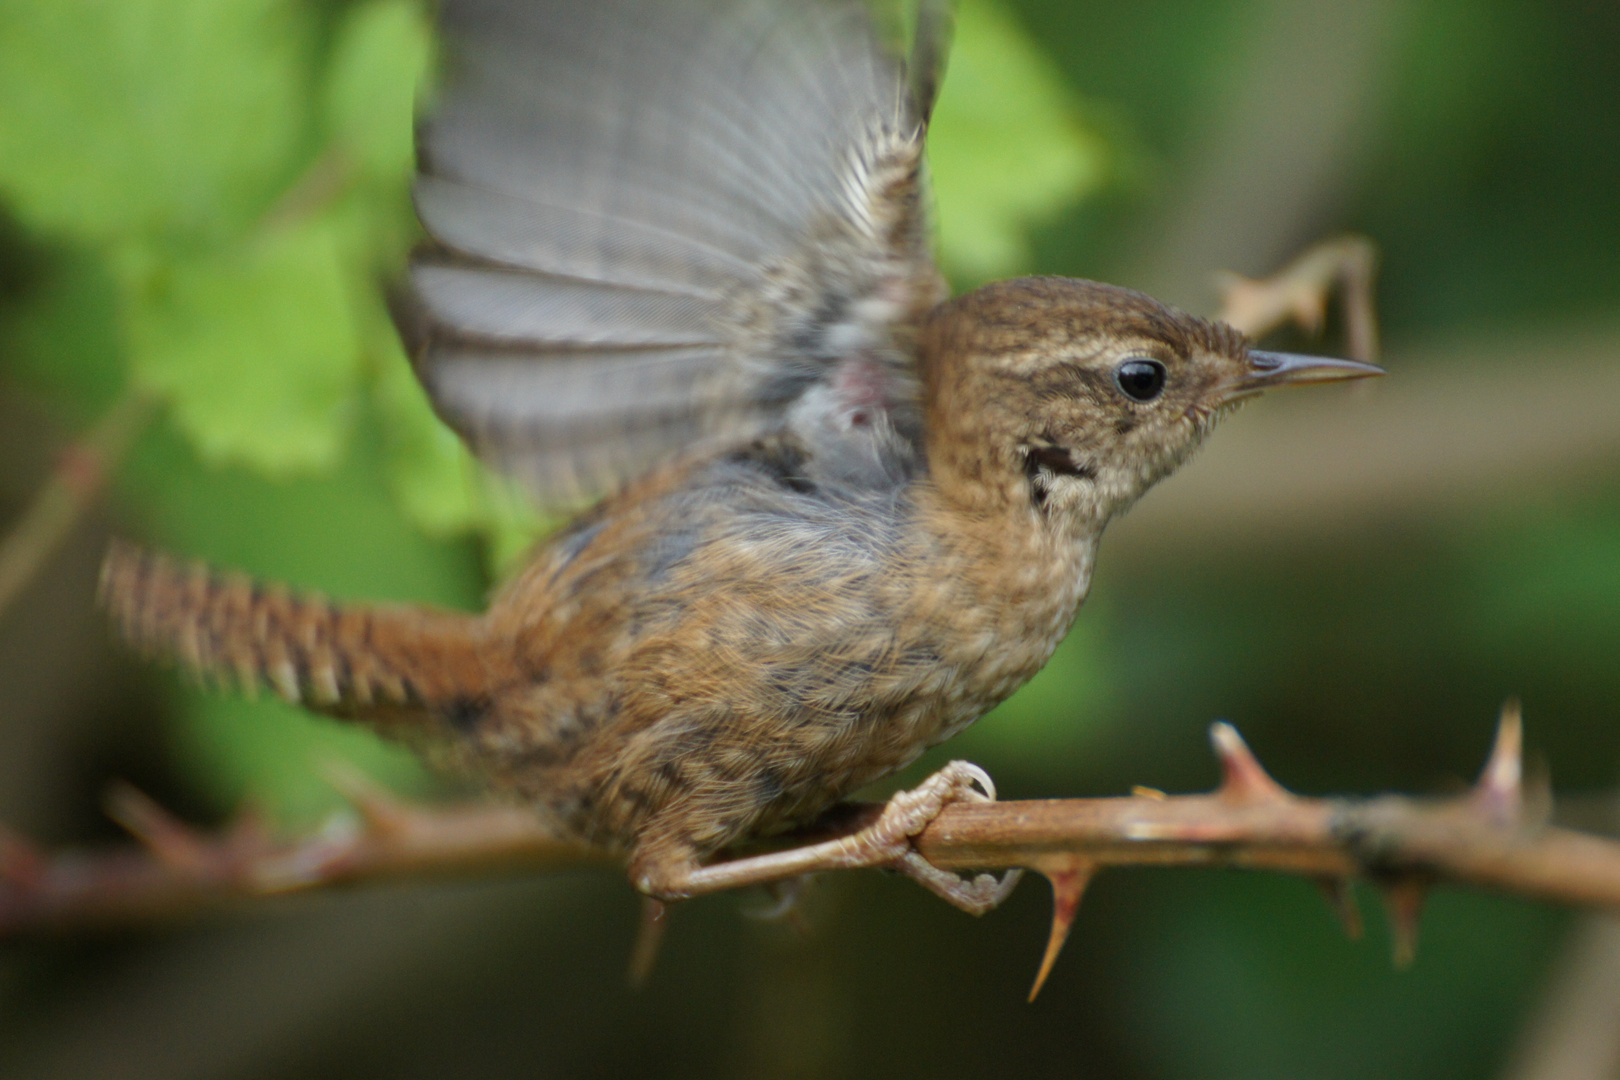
(390, 666)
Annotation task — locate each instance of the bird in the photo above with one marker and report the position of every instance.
(678, 272)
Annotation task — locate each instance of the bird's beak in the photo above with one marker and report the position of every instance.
(1272, 369)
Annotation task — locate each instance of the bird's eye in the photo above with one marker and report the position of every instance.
(1139, 379)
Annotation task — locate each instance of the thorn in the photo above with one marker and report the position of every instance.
(784, 906)
(1068, 886)
(1138, 791)
(1337, 892)
(174, 843)
(649, 936)
(1243, 778)
(1403, 899)
(1499, 792)
(382, 813)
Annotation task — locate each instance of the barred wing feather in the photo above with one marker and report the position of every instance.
(658, 222)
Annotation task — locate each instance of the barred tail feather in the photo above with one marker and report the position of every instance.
(388, 665)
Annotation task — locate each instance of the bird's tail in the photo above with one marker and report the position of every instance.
(389, 666)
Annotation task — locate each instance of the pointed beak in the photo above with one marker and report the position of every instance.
(1268, 370)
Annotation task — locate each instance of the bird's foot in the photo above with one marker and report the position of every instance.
(908, 813)
(885, 843)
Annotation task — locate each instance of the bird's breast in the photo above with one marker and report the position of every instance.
(1000, 602)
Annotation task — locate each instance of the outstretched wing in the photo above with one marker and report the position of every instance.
(656, 222)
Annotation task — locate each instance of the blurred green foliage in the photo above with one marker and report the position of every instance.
(1009, 146)
(224, 184)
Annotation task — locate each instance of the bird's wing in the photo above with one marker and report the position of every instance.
(656, 222)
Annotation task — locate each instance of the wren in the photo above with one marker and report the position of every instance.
(680, 254)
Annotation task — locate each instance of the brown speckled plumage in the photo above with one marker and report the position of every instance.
(849, 519)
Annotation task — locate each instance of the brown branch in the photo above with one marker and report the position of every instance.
(1493, 837)
(177, 870)
(1299, 293)
(74, 483)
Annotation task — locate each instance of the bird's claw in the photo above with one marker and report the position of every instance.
(910, 812)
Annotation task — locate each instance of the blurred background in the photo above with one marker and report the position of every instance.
(197, 201)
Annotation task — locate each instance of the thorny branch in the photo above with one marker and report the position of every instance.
(1493, 837)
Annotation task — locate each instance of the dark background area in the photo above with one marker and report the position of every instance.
(1361, 624)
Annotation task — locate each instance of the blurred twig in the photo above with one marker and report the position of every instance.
(1299, 293)
(1492, 837)
(178, 869)
(74, 483)
(1575, 1031)
(1481, 419)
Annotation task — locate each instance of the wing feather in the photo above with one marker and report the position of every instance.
(569, 242)
(555, 313)
(660, 221)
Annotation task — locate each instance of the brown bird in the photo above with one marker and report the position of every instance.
(680, 252)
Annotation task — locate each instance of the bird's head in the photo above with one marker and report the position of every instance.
(1073, 398)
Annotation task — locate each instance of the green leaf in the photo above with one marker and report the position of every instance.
(382, 54)
(151, 117)
(255, 349)
(434, 478)
(1007, 146)
(437, 482)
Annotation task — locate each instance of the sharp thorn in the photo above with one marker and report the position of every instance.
(1340, 897)
(1068, 886)
(1500, 789)
(169, 839)
(1243, 778)
(1403, 899)
(649, 937)
(785, 896)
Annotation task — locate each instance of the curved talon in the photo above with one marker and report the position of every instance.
(978, 776)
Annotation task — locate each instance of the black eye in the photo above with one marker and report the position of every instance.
(1140, 380)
